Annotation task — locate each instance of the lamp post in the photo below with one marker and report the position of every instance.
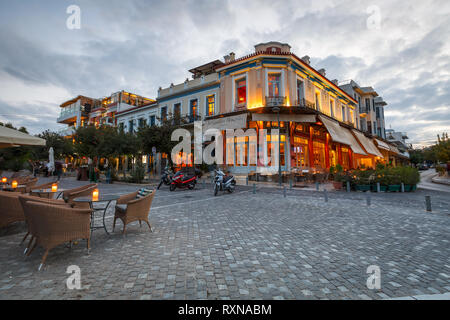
(277, 110)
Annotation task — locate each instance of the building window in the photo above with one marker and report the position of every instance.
(367, 105)
(344, 116)
(300, 91)
(210, 105)
(374, 127)
(241, 91)
(301, 152)
(121, 126)
(177, 110)
(332, 107)
(274, 85)
(152, 120)
(194, 107)
(164, 113)
(141, 122)
(319, 154)
(318, 101)
(378, 112)
(131, 126)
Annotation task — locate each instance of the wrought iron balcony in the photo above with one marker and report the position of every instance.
(303, 103)
(193, 117)
(275, 101)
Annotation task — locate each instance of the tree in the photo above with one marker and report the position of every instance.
(160, 136)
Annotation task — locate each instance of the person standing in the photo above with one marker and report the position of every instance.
(58, 167)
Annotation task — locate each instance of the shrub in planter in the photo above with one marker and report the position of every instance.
(363, 179)
(410, 177)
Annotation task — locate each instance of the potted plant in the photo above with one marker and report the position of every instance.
(338, 177)
(411, 178)
(379, 177)
(363, 179)
(394, 179)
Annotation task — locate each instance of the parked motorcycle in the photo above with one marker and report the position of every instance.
(166, 177)
(222, 182)
(183, 180)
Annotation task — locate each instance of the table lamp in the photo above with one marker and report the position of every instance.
(95, 195)
(54, 187)
(14, 184)
(4, 180)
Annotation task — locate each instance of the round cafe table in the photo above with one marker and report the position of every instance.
(11, 189)
(48, 193)
(107, 199)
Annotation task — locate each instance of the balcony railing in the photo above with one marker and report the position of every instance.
(303, 103)
(193, 117)
(275, 101)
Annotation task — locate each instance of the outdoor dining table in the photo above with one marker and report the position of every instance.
(101, 199)
(11, 189)
(46, 192)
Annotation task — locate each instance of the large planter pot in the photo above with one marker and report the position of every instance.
(408, 188)
(363, 187)
(338, 185)
(382, 188)
(394, 188)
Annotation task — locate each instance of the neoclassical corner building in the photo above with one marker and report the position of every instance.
(322, 122)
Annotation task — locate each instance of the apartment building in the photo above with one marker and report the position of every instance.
(370, 108)
(75, 113)
(194, 99)
(82, 110)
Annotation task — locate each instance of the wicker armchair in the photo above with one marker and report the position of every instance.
(54, 225)
(11, 210)
(67, 193)
(130, 209)
(87, 191)
(29, 215)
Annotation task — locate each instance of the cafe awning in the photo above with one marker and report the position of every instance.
(231, 122)
(341, 135)
(14, 138)
(382, 145)
(394, 149)
(284, 117)
(367, 144)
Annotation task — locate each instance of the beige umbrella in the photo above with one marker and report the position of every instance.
(13, 138)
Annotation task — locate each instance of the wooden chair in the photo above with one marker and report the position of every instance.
(130, 209)
(53, 225)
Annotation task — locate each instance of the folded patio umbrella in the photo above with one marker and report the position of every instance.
(13, 138)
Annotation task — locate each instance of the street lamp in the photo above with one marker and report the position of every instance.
(277, 110)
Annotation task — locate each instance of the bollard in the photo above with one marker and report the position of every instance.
(378, 187)
(290, 184)
(348, 186)
(368, 200)
(246, 181)
(403, 187)
(317, 186)
(325, 193)
(428, 203)
(254, 188)
(284, 192)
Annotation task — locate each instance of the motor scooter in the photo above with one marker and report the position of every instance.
(183, 180)
(222, 182)
(166, 177)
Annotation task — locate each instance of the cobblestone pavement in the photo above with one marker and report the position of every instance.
(248, 246)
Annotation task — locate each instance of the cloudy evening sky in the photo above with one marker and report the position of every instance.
(139, 45)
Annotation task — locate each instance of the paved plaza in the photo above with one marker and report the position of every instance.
(248, 246)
